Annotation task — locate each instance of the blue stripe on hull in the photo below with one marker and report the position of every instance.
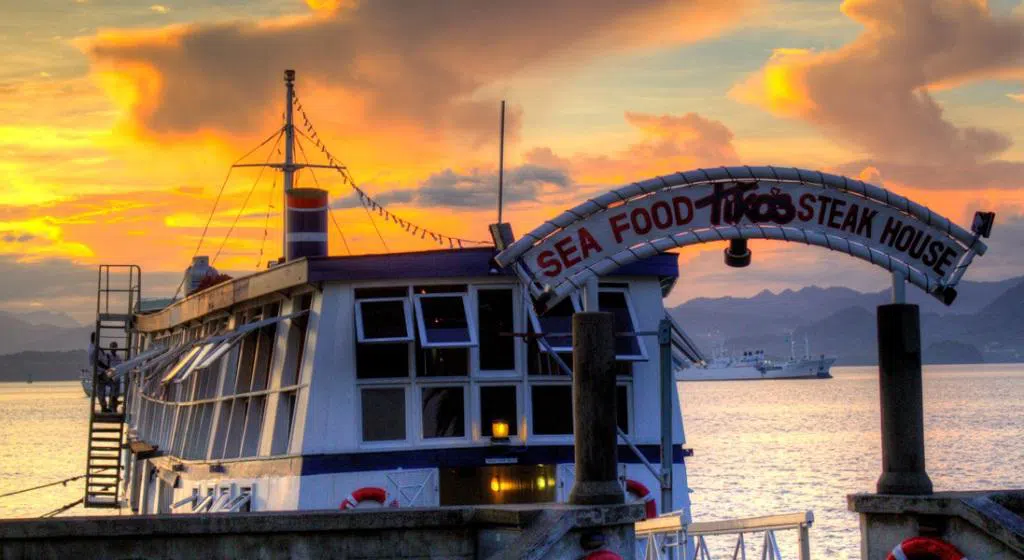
(465, 457)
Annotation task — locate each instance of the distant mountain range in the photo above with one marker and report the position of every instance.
(986, 321)
(42, 366)
(33, 332)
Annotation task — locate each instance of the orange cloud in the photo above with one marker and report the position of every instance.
(420, 62)
(873, 93)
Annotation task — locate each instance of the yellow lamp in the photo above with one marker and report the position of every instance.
(499, 431)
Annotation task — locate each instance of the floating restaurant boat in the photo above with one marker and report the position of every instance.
(391, 380)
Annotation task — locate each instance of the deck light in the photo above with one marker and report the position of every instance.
(495, 485)
(499, 431)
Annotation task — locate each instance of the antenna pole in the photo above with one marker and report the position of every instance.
(289, 156)
(501, 160)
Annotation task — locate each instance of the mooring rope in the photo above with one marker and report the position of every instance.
(63, 508)
(64, 482)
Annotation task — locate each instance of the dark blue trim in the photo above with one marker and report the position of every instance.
(465, 457)
(467, 263)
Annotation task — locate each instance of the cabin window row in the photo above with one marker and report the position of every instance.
(443, 411)
(435, 331)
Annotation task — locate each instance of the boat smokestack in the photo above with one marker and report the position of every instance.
(307, 224)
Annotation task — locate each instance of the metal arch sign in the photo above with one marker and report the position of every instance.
(786, 204)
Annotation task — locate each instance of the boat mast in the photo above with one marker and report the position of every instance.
(289, 157)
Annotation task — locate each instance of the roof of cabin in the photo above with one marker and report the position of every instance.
(421, 265)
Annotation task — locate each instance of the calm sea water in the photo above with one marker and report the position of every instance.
(761, 447)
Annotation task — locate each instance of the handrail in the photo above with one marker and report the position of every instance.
(668, 538)
(776, 522)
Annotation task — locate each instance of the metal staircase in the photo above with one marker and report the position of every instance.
(118, 290)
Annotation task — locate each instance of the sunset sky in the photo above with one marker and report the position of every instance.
(119, 120)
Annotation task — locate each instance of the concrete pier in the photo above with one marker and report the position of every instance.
(507, 532)
(981, 525)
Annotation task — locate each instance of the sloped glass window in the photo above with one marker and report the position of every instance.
(556, 324)
(383, 320)
(444, 321)
(627, 347)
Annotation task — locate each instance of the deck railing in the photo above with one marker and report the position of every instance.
(666, 538)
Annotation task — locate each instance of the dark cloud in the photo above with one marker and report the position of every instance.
(473, 190)
(407, 62)
(23, 238)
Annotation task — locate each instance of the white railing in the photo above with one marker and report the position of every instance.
(666, 538)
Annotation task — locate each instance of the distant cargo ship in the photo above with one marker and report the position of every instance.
(753, 365)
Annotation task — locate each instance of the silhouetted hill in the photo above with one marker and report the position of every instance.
(42, 366)
(987, 319)
(19, 335)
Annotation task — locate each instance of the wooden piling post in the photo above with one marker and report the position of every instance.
(902, 401)
(594, 414)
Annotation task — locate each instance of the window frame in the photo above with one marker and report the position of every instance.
(406, 311)
(519, 436)
(518, 358)
(532, 433)
(631, 310)
(467, 433)
(535, 323)
(409, 421)
(466, 309)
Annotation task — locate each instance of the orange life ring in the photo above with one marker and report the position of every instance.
(603, 555)
(920, 548)
(367, 493)
(641, 491)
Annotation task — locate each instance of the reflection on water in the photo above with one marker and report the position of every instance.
(760, 447)
(763, 447)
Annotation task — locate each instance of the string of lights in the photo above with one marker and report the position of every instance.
(369, 203)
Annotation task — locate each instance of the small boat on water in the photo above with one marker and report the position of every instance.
(752, 364)
(85, 378)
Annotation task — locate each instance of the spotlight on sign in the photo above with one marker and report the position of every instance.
(737, 255)
(983, 222)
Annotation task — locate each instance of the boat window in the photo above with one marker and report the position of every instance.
(498, 403)
(552, 409)
(388, 292)
(444, 412)
(556, 325)
(266, 338)
(442, 362)
(383, 320)
(628, 347)
(377, 361)
(296, 344)
(236, 427)
(440, 289)
(383, 412)
(495, 317)
(254, 426)
(622, 408)
(444, 321)
(539, 362)
(283, 422)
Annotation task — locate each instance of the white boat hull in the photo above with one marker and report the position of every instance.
(805, 368)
